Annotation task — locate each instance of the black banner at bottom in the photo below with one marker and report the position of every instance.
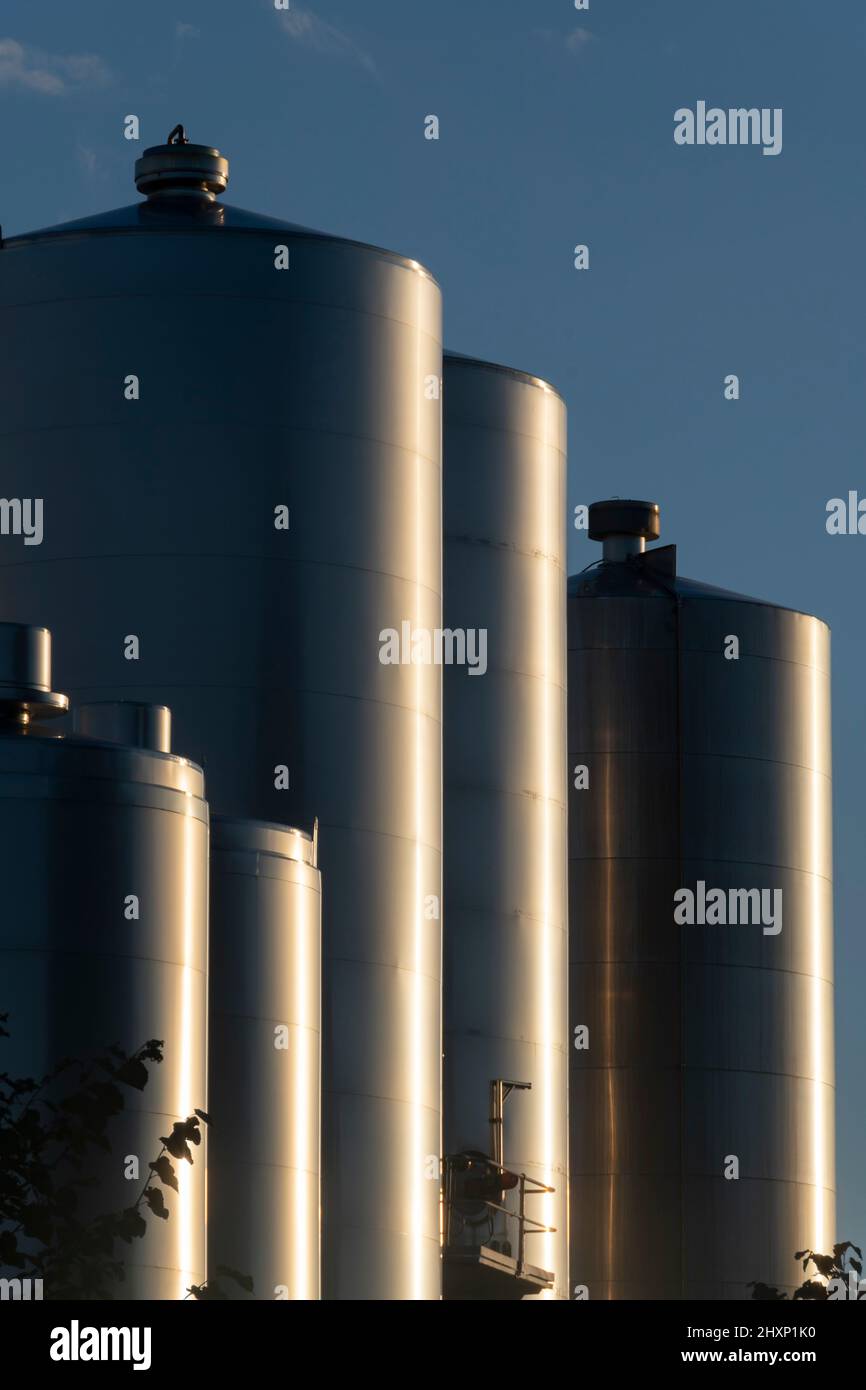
(189, 1341)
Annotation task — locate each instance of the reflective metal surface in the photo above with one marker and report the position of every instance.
(84, 825)
(505, 794)
(705, 1041)
(259, 388)
(264, 1058)
(126, 721)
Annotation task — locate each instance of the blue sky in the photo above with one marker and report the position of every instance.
(556, 128)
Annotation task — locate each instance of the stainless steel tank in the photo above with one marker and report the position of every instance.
(702, 1095)
(505, 938)
(84, 827)
(240, 467)
(264, 1058)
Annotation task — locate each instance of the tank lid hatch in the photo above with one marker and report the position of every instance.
(25, 675)
(620, 516)
(179, 169)
(131, 722)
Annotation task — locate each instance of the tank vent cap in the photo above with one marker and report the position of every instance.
(622, 516)
(138, 725)
(25, 675)
(178, 169)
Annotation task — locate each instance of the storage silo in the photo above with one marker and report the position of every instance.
(264, 1058)
(233, 423)
(505, 931)
(702, 1091)
(103, 941)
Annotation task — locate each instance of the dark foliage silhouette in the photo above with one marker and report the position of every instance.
(52, 1132)
(835, 1267)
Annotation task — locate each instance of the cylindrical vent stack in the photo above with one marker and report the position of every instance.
(103, 942)
(234, 426)
(505, 793)
(264, 1059)
(126, 721)
(701, 1106)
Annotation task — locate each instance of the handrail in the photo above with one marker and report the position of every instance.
(526, 1187)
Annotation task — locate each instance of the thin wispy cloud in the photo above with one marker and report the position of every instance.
(304, 27)
(184, 35)
(87, 159)
(51, 74)
(577, 40)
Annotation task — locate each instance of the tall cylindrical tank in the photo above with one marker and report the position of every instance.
(701, 1107)
(233, 425)
(264, 1057)
(505, 943)
(103, 941)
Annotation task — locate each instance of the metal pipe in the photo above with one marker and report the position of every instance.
(616, 549)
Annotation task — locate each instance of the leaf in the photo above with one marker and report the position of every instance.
(244, 1280)
(164, 1169)
(176, 1143)
(9, 1253)
(66, 1201)
(133, 1073)
(24, 1084)
(30, 1128)
(130, 1225)
(10, 1184)
(36, 1221)
(183, 1132)
(40, 1178)
(154, 1198)
(765, 1293)
(94, 1106)
(210, 1290)
(203, 1116)
(812, 1291)
(191, 1129)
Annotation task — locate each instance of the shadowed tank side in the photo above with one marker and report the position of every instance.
(706, 1042)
